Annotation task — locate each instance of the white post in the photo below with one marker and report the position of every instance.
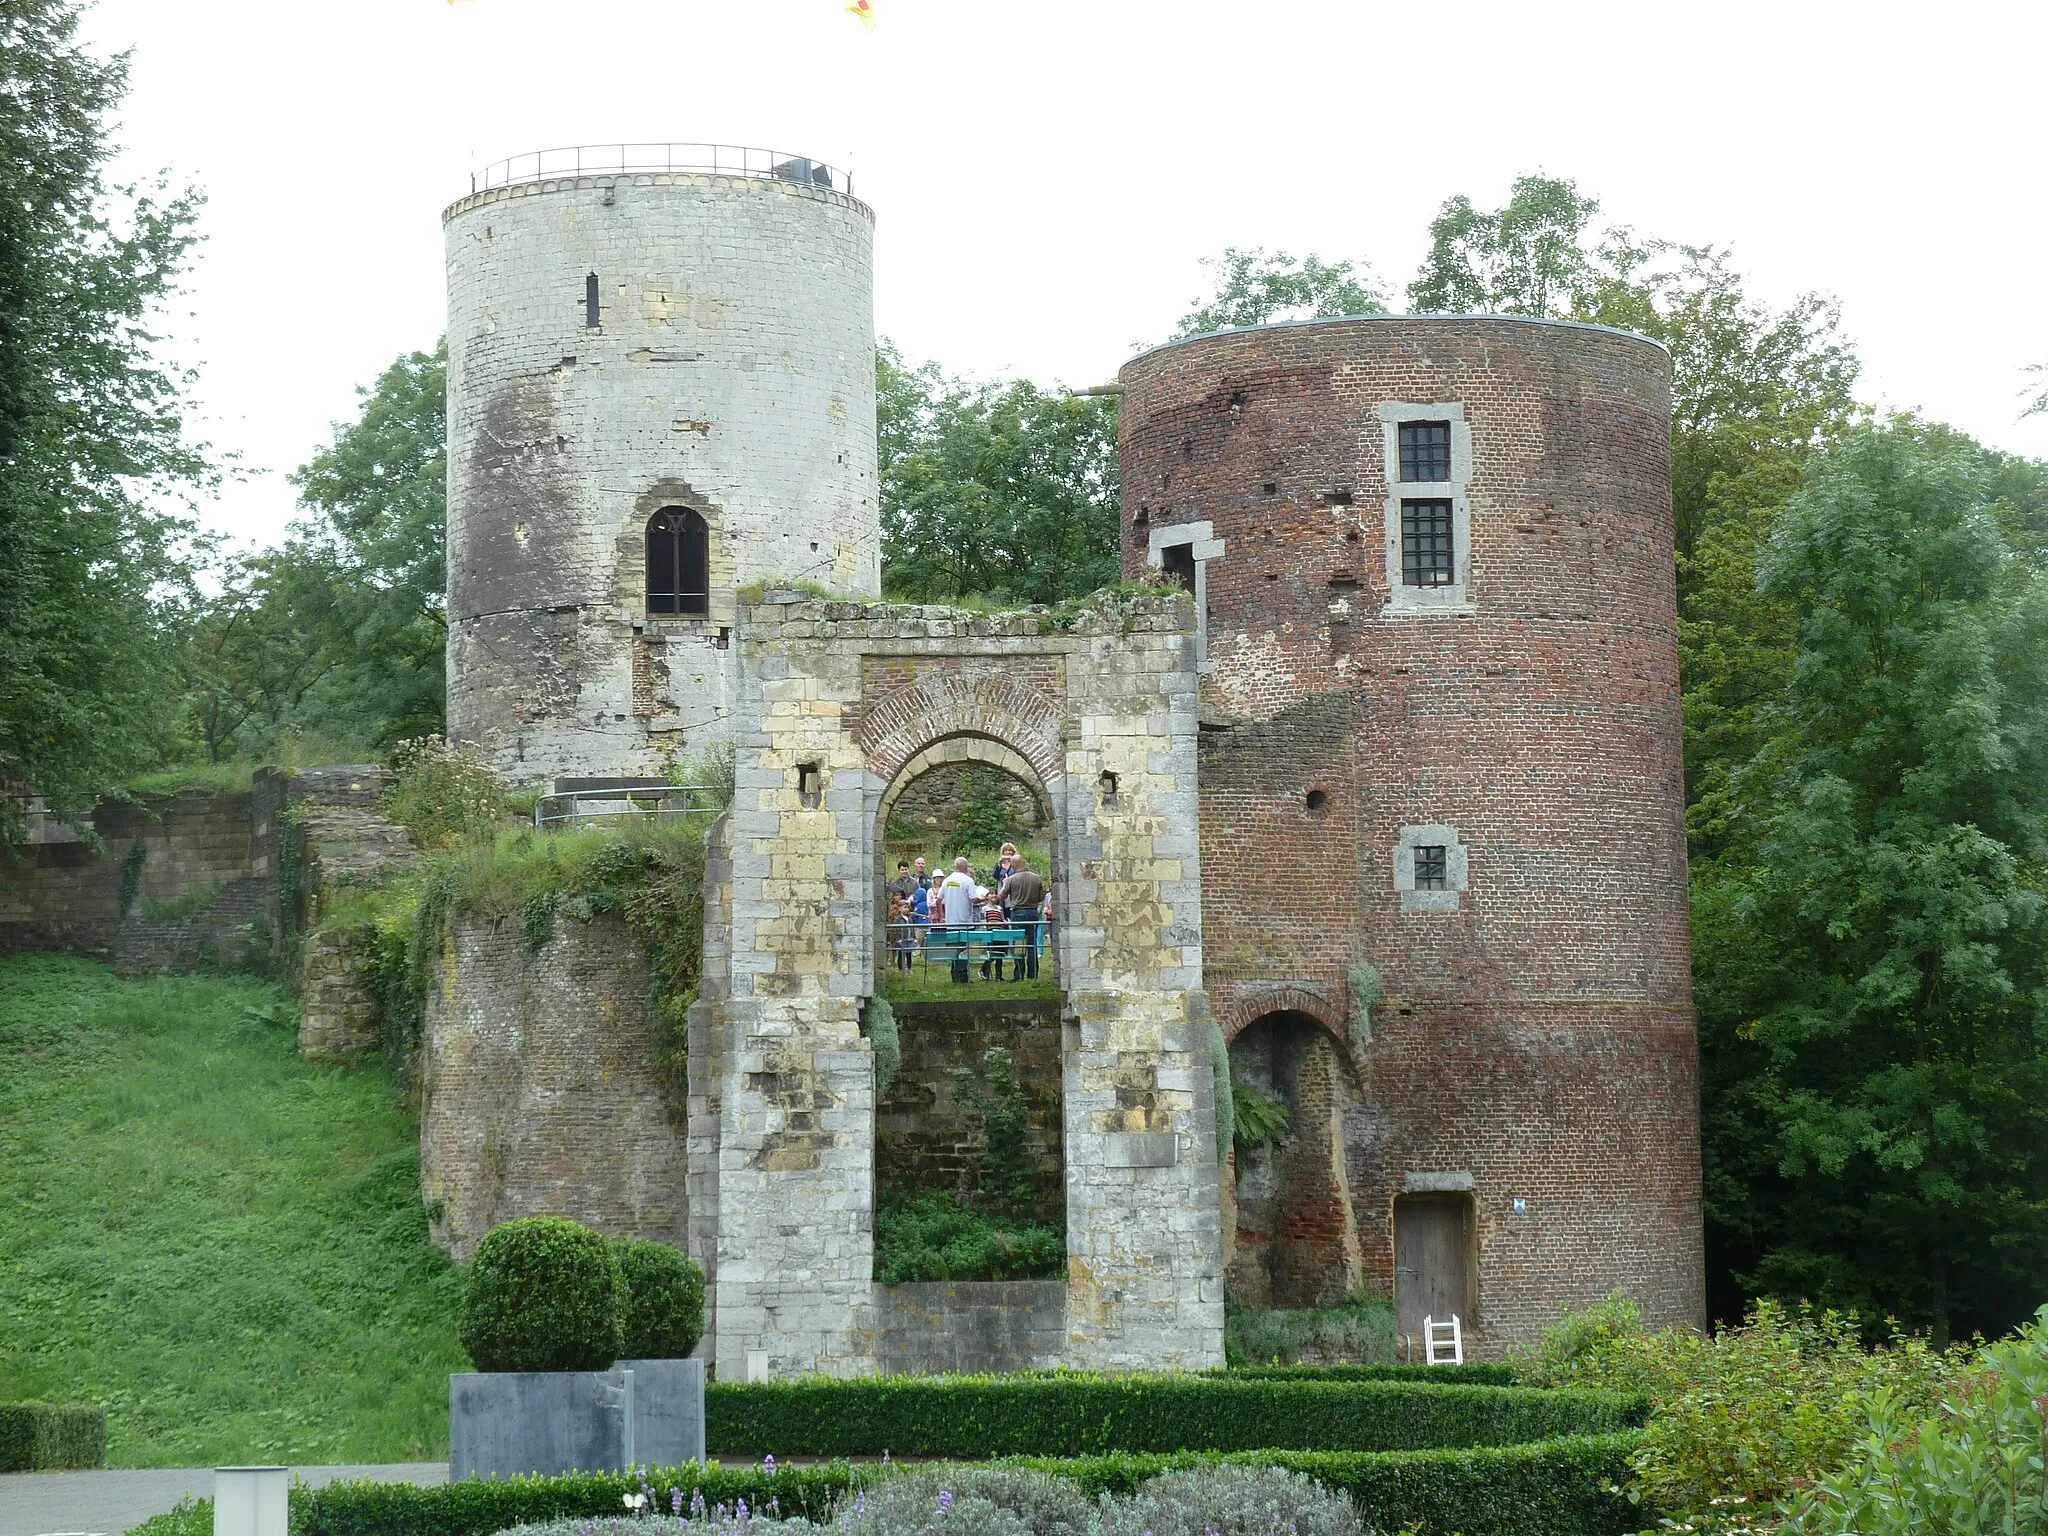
(250, 1501)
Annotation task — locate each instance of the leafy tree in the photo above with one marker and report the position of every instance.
(340, 630)
(1002, 491)
(1254, 288)
(92, 442)
(1528, 258)
(1873, 976)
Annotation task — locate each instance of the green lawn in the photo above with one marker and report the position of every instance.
(221, 1244)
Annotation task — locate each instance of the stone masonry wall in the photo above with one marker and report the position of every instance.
(731, 371)
(835, 701)
(541, 1086)
(1536, 1046)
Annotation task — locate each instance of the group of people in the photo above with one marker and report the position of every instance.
(1014, 897)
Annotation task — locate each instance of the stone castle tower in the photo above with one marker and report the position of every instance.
(1440, 736)
(661, 387)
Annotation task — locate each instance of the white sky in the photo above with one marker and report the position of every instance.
(1047, 173)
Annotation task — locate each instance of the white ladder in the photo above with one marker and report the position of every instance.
(1443, 1343)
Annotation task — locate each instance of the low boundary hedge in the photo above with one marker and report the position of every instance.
(970, 1418)
(1552, 1488)
(51, 1437)
(1472, 1374)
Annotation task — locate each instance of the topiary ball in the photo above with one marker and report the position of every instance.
(664, 1300)
(544, 1295)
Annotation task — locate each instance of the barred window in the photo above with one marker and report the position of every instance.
(1432, 871)
(1427, 559)
(1425, 450)
(678, 562)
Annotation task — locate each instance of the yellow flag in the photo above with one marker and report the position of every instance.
(865, 10)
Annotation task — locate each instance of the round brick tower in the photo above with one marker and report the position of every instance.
(1441, 739)
(661, 387)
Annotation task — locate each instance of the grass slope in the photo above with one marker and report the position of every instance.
(221, 1244)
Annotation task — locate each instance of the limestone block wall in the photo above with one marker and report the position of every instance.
(541, 1088)
(729, 368)
(835, 702)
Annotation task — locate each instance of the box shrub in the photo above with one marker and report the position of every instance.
(973, 1417)
(664, 1301)
(51, 1437)
(544, 1295)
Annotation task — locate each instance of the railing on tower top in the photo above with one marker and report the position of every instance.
(630, 159)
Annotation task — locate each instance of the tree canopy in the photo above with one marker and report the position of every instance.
(93, 450)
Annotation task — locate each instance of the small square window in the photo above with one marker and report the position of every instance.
(1426, 552)
(1432, 868)
(1425, 450)
(810, 789)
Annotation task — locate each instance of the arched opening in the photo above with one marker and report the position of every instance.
(1297, 1243)
(970, 1179)
(678, 562)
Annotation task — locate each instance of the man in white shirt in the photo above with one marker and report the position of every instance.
(956, 910)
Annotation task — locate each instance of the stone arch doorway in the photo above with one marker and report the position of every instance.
(1296, 1241)
(966, 1045)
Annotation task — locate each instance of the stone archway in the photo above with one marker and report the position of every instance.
(1296, 1240)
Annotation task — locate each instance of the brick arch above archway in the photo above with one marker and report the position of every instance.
(983, 750)
(992, 707)
(1247, 1003)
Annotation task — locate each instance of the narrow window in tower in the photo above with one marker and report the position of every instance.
(1177, 564)
(1425, 450)
(1432, 868)
(1427, 558)
(810, 786)
(678, 562)
(590, 302)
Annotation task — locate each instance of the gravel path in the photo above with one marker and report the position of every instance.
(109, 1503)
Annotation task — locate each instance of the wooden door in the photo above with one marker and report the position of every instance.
(1432, 1263)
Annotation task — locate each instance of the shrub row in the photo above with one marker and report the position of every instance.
(1553, 1488)
(973, 1417)
(1561, 1487)
(1472, 1374)
(49, 1437)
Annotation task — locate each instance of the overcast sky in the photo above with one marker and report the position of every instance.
(1047, 174)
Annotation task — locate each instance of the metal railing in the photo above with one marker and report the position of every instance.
(989, 942)
(595, 807)
(631, 159)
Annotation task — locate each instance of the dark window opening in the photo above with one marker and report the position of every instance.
(1432, 872)
(810, 791)
(1340, 498)
(1177, 563)
(1317, 802)
(1427, 559)
(1107, 784)
(590, 302)
(678, 562)
(1271, 488)
(1425, 450)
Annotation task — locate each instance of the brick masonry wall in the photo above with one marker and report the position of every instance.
(1539, 1038)
(732, 372)
(541, 1090)
(835, 702)
(181, 882)
(929, 1130)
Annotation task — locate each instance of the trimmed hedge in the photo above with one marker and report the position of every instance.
(973, 1417)
(51, 1437)
(1471, 1374)
(1551, 1488)
(480, 1508)
(1548, 1489)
